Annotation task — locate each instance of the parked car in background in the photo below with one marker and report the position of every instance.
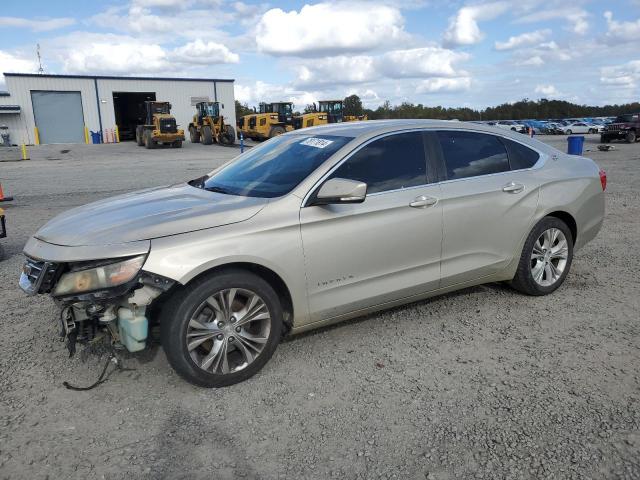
(511, 125)
(577, 127)
(624, 127)
(310, 228)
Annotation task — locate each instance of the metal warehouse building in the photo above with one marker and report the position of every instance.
(57, 108)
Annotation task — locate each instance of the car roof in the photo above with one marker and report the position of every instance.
(371, 128)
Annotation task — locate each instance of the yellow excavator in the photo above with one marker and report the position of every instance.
(208, 126)
(328, 111)
(159, 127)
(271, 120)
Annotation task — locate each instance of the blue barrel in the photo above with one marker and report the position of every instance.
(575, 144)
(95, 137)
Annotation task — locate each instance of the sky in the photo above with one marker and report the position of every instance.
(434, 52)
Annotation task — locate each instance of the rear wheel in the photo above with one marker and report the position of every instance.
(149, 142)
(222, 329)
(546, 258)
(229, 135)
(194, 135)
(207, 135)
(630, 137)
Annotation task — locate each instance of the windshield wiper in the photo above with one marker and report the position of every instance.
(219, 190)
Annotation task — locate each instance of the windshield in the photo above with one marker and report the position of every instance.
(276, 167)
(331, 107)
(283, 108)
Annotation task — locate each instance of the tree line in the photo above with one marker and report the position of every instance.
(524, 109)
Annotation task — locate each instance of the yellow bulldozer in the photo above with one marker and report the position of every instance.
(328, 111)
(271, 120)
(208, 126)
(159, 127)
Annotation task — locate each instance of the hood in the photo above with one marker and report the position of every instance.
(148, 214)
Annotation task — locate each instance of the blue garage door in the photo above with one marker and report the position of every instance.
(58, 116)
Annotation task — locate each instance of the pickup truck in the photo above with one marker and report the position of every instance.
(625, 127)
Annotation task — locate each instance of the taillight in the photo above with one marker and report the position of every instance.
(603, 179)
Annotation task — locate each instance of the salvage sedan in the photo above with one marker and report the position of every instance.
(310, 228)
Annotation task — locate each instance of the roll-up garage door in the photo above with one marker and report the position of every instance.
(58, 116)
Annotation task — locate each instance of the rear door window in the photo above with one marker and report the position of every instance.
(390, 163)
(520, 157)
(471, 154)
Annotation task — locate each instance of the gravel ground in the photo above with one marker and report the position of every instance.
(482, 383)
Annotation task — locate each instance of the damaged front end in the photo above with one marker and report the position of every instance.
(109, 297)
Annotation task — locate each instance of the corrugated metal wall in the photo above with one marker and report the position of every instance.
(178, 92)
(20, 94)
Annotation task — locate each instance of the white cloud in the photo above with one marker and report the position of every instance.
(329, 28)
(259, 91)
(626, 75)
(125, 55)
(420, 62)
(463, 27)
(523, 40)
(13, 64)
(36, 25)
(621, 31)
(200, 52)
(430, 61)
(534, 61)
(433, 85)
(576, 16)
(547, 90)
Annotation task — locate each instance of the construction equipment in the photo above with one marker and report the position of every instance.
(208, 126)
(159, 127)
(272, 120)
(327, 111)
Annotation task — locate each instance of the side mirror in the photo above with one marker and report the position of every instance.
(340, 190)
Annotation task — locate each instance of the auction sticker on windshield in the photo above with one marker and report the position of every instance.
(316, 142)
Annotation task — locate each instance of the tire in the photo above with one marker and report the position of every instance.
(177, 144)
(275, 131)
(149, 143)
(207, 135)
(139, 138)
(193, 302)
(524, 280)
(229, 136)
(630, 137)
(569, 132)
(591, 130)
(194, 135)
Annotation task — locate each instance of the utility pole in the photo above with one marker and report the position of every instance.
(40, 69)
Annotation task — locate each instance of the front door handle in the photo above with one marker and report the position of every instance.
(423, 202)
(513, 187)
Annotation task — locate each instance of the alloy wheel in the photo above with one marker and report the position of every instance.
(549, 257)
(228, 331)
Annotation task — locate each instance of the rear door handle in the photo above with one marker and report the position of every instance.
(423, 202)
(513, 187)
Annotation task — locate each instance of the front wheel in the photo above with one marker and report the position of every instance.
(546, 258)
(569, 132)
(207, 135)
(630, 137)
(194, 135)
(222, 329)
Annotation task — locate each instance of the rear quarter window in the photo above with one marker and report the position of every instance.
(520, 157)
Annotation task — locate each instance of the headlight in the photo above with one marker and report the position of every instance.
(98, 278)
